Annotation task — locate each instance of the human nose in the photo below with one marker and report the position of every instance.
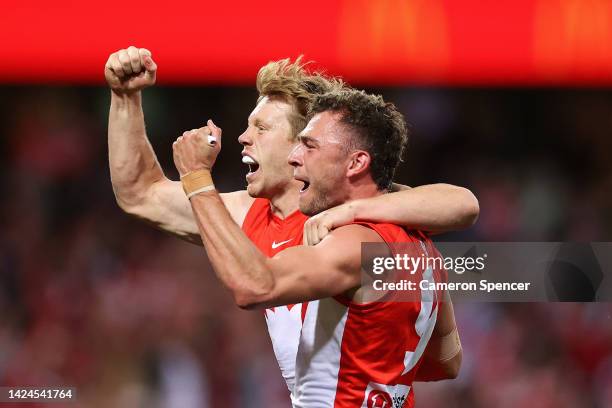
(295, 157)
(245, 139)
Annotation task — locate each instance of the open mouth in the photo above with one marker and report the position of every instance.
(305, 187)
(253, 165)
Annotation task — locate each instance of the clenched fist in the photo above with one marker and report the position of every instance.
(318, 226)
(197, 149)
(130, 70)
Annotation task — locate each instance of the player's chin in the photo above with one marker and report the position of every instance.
(307, 206)
(254, 189)
(251, 190)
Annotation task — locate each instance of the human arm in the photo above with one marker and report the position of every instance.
(297, 274)
(443, 355)
(140, 186)
(255, 281)
(434, 208)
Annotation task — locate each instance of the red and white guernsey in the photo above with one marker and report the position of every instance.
(336, 353)
(271, 235)
(365, 355)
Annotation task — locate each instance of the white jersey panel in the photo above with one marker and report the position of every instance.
(318, 356)
(284, 327)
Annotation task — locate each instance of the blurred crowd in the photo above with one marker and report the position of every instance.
(131, 317)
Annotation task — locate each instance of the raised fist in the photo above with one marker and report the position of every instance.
(130, 70)
(197, 149)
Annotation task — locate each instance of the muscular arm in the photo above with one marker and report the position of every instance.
(296, 274)
(140, 186)
(434, 208)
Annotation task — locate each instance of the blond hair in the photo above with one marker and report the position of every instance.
(292, 83)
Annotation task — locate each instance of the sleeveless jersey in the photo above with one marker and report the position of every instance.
(365, 355)
(271, 235)
(336, 353)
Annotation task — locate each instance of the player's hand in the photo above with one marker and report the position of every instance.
(197, 149)
(318, 226)
(130, 70)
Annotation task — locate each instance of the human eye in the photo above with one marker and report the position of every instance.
(308, 143)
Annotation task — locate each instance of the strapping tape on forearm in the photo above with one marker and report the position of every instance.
(450, 345)
(197, 182)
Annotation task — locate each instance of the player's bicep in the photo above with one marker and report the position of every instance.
(328, 269)
(304, 274)
(169, 209)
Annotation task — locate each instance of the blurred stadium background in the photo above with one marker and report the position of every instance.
(511, 99)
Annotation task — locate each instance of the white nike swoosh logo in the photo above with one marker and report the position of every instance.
(275, 245)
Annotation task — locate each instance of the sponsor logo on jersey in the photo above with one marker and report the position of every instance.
(385, 396)
(276, 245)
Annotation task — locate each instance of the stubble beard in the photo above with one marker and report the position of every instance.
(321, 201)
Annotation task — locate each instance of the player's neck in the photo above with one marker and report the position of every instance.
(286, 201)
(362, 187)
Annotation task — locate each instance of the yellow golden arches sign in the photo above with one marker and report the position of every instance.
(572, 38)
(378, 36)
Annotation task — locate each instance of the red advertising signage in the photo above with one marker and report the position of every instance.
(377, 42)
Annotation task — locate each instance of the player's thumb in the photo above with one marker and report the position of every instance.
(214, 129)
(150, 66)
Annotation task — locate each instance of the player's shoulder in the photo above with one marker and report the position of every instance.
(394, 233)
(241, 198)
(356, 232)
(238, 203)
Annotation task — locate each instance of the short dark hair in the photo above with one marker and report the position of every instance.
(381, 129)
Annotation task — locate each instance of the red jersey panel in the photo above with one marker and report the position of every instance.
(271, 235)
(365, 355)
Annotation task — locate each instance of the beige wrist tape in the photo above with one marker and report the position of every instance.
(450, 345)
(197, 182)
